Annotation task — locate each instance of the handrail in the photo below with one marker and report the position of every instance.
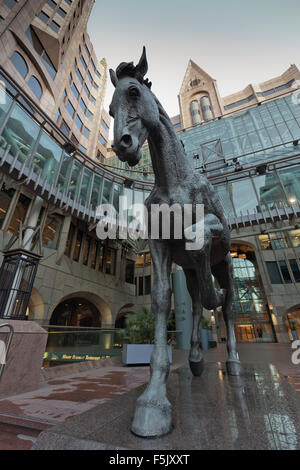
(11, 328)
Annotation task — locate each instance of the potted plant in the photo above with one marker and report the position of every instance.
(205, 333)
(138, 338)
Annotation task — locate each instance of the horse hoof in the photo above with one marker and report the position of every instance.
(152, 419)
(197, 367)
(234, 368)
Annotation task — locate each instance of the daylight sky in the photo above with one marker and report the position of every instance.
(236, 41)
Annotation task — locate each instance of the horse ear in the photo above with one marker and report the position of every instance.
(113, 77)
(142, 66)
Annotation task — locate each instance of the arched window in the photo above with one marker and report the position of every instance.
(19, 63)
(35, 87)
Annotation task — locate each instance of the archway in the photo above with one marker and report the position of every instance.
(293, 323)
(252, 319)
(124, 311)
(35, 310)
(97, 302)
(76, 311)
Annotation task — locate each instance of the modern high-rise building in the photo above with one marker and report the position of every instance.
(46, 49)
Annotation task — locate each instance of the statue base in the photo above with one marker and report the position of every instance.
(22, 371)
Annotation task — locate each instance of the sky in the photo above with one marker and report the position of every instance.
(236, 42)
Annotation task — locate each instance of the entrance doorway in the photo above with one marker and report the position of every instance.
(76, 312)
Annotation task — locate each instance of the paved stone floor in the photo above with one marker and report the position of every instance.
(24, 416)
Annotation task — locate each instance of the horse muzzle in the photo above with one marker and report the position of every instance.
(128, 150)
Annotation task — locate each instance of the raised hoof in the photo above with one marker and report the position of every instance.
(234, 368)
(197, 367)
(152, 419)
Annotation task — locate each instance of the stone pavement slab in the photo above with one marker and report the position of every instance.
(215, 411)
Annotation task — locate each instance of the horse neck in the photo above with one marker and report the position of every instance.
(169, 161)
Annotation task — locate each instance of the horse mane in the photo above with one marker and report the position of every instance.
(127, 69)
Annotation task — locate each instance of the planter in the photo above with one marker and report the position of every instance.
(140, 353)
(204, 338)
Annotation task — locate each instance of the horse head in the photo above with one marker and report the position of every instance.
(134, 109)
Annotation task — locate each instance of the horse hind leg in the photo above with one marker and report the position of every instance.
(224, 275)
(196, 360)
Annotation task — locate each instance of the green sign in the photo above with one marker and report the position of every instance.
(59, 356)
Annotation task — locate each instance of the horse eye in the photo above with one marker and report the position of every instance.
(133, 92)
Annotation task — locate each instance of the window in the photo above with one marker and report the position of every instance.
(76, 253)
(89, 115)
(90, 76)
(69, 2)
(70, 109)
(295, 237)
(129, 274)
(295, 269)
(110, 260)
(98, 74)
(78, 122)
(147, 285)
(35, 87)
(86, 132)
(79, 75)
(10, 3)
(6, 196)
(51, 232)
(64, 127)
(32, 37)
(55, 26)
(42, 16)
(82, 148)
(86, 90)
(102, 140)
(285, 272)
(86, 250)
(105, 126)
(83, 105)
(19, 213)
(274, 273)
(61, 12)
(69, 240)
(75, 91)
(52, 4)
(92, 99)
(19, 63)
(95, 86)
(58, 115)
(86, 50)
(83, 62)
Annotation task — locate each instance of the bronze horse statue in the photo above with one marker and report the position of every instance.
(138, 115)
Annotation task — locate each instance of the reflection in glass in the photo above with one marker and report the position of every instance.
(244, 197)
(64, 173)
(19, 213)
(47, 157)
(96, 191)
(6, 196)
(21, 133)
(51, 232)
(270, 191)
(85, 186)
(106, 192)
(75, 179)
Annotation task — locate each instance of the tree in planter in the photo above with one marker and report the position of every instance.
(140, 328)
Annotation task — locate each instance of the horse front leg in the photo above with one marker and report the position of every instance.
(153, 416)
